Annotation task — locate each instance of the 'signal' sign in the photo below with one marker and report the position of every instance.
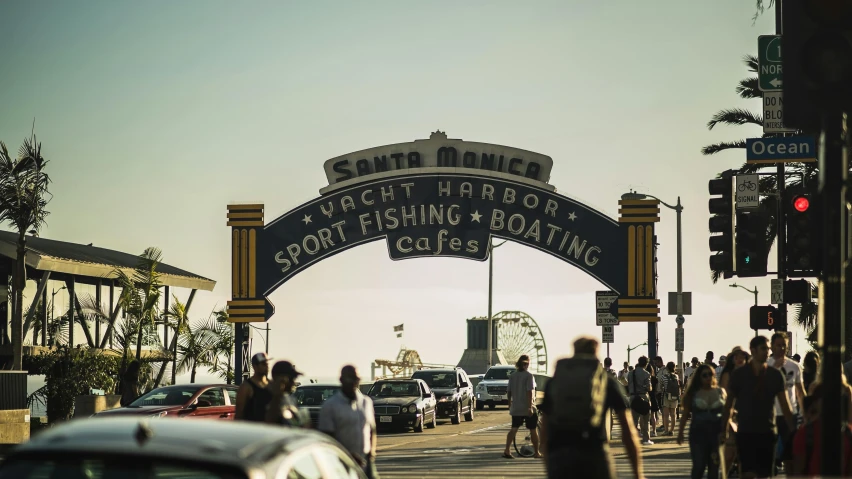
(440, 215)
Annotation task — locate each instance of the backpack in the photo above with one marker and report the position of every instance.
(578, 390)
(672, 387)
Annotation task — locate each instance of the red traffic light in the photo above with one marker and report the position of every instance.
(801, 203)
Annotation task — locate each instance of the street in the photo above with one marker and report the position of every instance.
(473, 449)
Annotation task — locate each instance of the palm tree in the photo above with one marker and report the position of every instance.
(224, 348)
(196, 346)
(140, 294)
(176, 318)
(23, 201)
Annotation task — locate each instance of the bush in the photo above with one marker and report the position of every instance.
(71, 372)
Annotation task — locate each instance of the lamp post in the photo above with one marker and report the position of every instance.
(735, 285)
(631, 349)
(678, 208)
(53, 308)
(491, 247)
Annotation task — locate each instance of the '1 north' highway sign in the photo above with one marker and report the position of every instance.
(769, 63)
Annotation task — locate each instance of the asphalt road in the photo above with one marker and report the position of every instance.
(474, 449)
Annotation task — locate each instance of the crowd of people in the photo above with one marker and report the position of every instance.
(754, 414)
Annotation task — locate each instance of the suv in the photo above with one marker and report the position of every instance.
(494, 387)
(453, 390)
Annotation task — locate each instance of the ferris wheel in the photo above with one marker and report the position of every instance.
(517, 334)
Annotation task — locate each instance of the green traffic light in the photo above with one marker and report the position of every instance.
(747, 259)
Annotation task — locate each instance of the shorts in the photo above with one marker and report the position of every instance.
(530, 421)
(756, 453)
(670, 403)
(785, 435)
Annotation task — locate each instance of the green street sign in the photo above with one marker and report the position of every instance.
(769, 63)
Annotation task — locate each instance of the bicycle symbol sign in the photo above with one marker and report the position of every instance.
(747, 192)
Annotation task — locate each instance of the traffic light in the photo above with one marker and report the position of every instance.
(750, 244)
(801, 252)
(763, 317)
(721, 208)
(816, 59)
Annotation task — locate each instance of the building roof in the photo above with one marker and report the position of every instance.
(91, 261)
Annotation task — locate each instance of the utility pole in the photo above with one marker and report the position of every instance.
(780, 180)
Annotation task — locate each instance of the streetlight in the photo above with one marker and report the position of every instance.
(265, 341)
(631, 349)
(491, 247)
(735, 285)
(678, 208)
(53, 308)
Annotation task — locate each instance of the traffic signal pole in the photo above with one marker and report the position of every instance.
(781, 179)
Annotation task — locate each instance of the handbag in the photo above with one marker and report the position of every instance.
(639, 403)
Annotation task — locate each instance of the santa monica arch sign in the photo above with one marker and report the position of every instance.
(443, 197)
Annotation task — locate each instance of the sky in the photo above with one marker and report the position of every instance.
(156, 115)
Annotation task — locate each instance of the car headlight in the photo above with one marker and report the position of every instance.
(480, 387)
(412, 408)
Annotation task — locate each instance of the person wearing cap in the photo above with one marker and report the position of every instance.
(722, 360)
(348, 417)
(254, 395)
(283, 409)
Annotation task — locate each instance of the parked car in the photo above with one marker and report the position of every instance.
(133, 447)
(494, 387)
(405, 403)
(310, 398)
(196, 401)
(453, 392)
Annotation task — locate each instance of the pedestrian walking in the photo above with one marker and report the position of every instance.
(576, 402)
(521, 395)
(810, 368)
(348, 417)
(753, 389)
(689, 370)
(708, 360)
(795, 391)
(807, 442)
(283, 408)
(639, 387)
(622, 375)
(608, 367)
(254, 395)
(722, 361)
(703, 403)
(737, 358)
(670, 385)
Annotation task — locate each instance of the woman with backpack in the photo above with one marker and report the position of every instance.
(670, 386)
(704, 402)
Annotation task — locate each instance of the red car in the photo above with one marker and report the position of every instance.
(200, 401)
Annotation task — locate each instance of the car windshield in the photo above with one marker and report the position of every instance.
(172, 396)
(499, 373)
(93, 467)
(395, 389)
(314, 395)
(437, 379)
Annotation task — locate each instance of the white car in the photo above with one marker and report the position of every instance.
(493, 389)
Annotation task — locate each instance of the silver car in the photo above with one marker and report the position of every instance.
(136, 448)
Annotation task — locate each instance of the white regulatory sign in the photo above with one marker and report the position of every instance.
(777, 291)
(679, 340)
(773, 113)
(747, 192)
(608, 335)
(605, 303)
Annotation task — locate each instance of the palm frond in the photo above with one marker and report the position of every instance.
(722, 146)
(735, 116)
(752, 63)
(748, 88)
(805, 315)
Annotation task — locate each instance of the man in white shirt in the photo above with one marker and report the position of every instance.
(792, 372)
(722, 360)
(348, 417)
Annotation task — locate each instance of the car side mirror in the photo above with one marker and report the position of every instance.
(202, 403)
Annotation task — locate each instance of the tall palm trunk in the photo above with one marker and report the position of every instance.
(139, 341)
(20, 282)
(192, 375)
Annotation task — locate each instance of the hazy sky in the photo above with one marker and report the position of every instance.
(156, 115)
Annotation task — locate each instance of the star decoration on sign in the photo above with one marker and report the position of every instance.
(475, 216)
(307, 219)
(572, 216)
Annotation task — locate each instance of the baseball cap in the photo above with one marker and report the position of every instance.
(260, 358)
(285, 368)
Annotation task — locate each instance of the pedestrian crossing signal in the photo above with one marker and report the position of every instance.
(763, 317)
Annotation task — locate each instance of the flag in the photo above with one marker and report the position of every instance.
(398, 330)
